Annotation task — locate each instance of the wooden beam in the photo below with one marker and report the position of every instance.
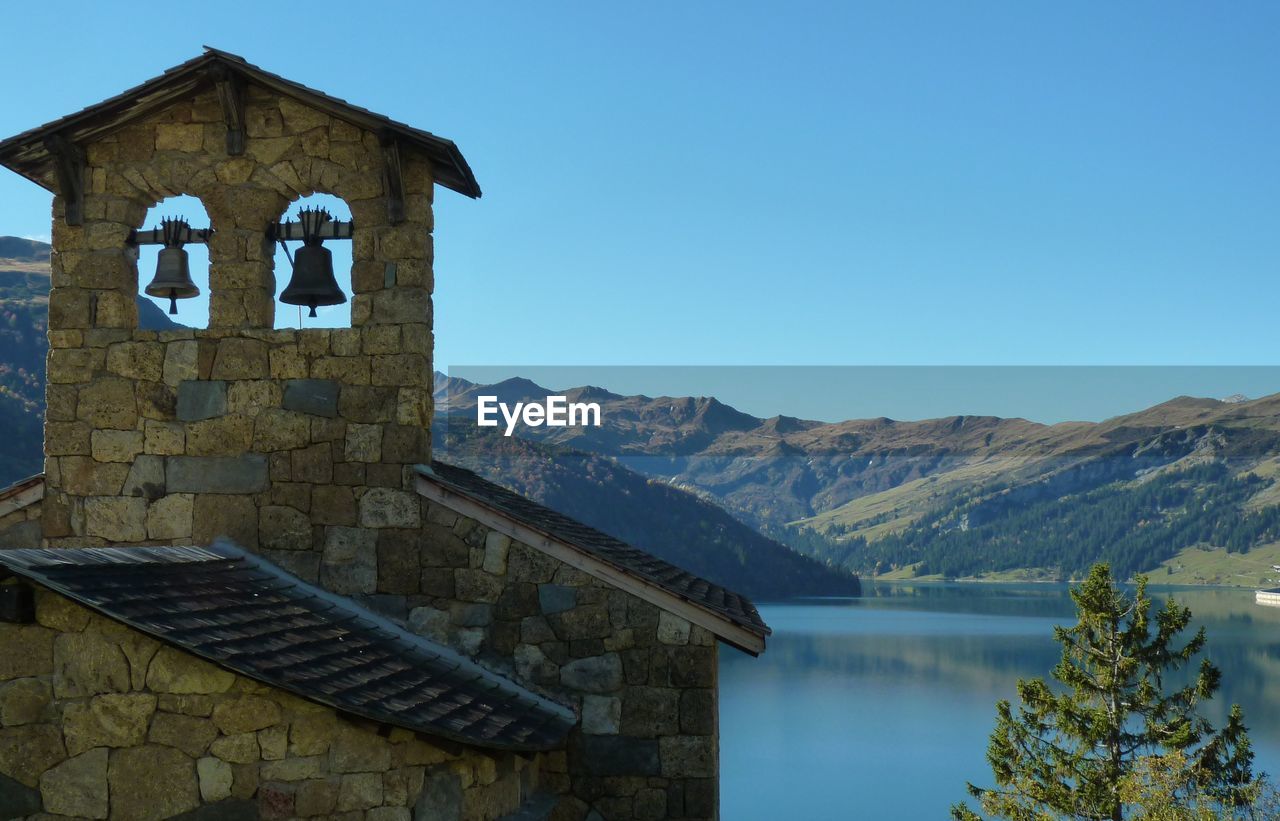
(230, 89)
(393, 177)
(69, 164)
(575, 557)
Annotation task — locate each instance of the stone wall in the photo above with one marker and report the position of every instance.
(644, 680)
(285, 440)
(100, 721)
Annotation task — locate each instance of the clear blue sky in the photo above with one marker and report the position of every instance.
(772, 184)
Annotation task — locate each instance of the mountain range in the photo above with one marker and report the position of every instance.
(1186, 488)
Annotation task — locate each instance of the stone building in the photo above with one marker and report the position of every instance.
(242, 588)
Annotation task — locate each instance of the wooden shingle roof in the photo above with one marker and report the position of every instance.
(249, 616)
(729, 615)
(28, 155)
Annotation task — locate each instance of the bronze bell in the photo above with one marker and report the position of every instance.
(313, 282)
(173, 269)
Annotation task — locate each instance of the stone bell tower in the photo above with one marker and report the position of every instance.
(298, 444)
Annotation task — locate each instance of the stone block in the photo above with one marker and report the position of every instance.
(276, 429)
(181, 362)
(688, 756)
(246, 714)
(318, 397)
(312, 464)
(310, 734)
(614, 755)
(136, 360)
(251, 396)
(171, 517)
(216, 516)
(191, 734)
(110, 720)
(152, 782)
(109, 402)
(283, 528)
(55, 611)
(198, 400)
(599, 674)
(274, 742)
(349, 370)
(601, 715)
(398, 568)
(477, 586)
(698, 711)
(430, 622)
(240, 358)
(186, 137)
(116, 445)
(164, 438)
(333, 505)
(67, 438)
(156, 400)
(215, 778)
(216, 474)
(81, 476)
(78, 786)
(316, 797)
(187, 705)
(651, 711)
(496, 546)
(85, 664)
(556, 598)
(386, 507)
(237, 749)
(672, 629)
(26, 752)
(229, 435)
(358, 403)
(24, 701)
(355, 750)
(350, 560)
(173, 671)
(360, 791)
(441, 796)
(293, 769)
(146, 477)
(363, 443)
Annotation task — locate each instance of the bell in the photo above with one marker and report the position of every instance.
(173, 278)
(313, 283)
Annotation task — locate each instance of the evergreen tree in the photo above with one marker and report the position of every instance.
(1076, 751)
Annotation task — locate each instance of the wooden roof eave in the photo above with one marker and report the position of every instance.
(26, 154)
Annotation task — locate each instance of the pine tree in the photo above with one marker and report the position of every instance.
(1070, 751)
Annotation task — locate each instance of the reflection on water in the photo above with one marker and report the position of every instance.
(880, 707)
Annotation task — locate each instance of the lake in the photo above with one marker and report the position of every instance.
(880, 707)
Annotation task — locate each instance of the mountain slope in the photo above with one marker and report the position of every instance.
(656, 517)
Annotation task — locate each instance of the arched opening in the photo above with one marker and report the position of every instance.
(327, 316)
(193, 312)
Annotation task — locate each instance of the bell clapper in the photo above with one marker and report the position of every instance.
(173, 301)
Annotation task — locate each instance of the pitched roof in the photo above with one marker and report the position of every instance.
(26, 154)
(249, 616)
(733, 617)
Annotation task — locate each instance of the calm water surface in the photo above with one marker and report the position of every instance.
(880, 707)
